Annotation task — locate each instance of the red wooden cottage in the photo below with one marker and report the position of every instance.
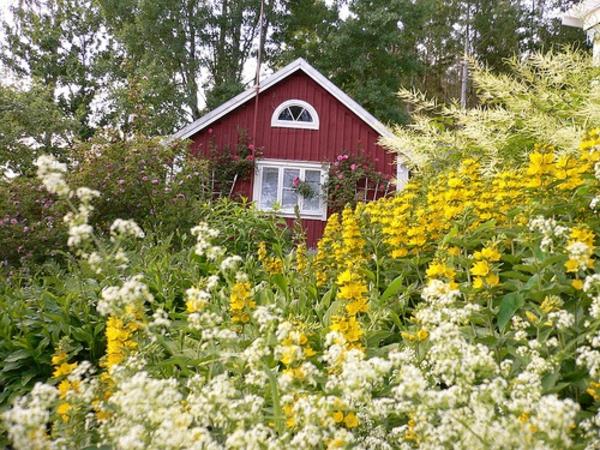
(301, 123)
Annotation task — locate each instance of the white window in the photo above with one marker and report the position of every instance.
(276, 184)
(295, 114)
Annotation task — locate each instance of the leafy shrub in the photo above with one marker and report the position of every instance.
(30, 222)
(142, 179)
(137, 178)
(227, 164)
(38, 312)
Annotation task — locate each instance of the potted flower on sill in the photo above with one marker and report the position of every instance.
(303, 188)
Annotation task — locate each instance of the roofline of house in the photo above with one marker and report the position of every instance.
(583, 15)
(298, 64)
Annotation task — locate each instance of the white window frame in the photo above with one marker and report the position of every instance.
(282, 164)
(314, 125)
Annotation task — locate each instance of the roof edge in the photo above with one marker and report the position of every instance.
(298, 64)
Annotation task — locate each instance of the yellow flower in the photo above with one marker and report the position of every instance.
(454, 251)
(288, 355)
(349, 327)
(63, 411)
(488, 253)
(410, 434)
(439, 269)
(336, 443)
(531, 317)
(492, 279)
(63, 370)
(572, 265)
(551, 303)
(351, 421)
(240, 301)
(338, 416)
(540, 163)
(59, 358)
(308, 352)
(582, 234)
(345, 277)
(422, 334)
(119, 340)
(577, 284)
(357, 306)
(480, 268)
(352, 291)
(594, 390)
(478, 283)
(63, 388)
(301, 261)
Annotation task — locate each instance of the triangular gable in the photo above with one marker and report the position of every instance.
(298, 64)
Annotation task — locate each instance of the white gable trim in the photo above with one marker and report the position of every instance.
(298, 64)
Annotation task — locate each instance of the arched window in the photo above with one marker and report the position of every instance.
(295, 114)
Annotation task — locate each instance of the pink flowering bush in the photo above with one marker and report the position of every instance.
(351, 179)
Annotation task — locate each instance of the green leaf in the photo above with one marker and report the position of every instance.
(281, 283)
(393, 288)
(508, 306)
(17, 356)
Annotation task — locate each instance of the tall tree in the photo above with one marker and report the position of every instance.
(230, 36)
(31, 123)
(369, 55)
(158, 61)
(62, 45)
(169, 49)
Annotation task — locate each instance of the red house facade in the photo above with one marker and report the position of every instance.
(301, 122)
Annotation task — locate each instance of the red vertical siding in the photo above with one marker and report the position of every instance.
(339, 130)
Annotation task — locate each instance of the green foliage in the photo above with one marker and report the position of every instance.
(548, 98)
(31, 124)
(60, 45)
(31, 227)
(138, 179)
(50, 306)
(39, 311)
(243, 227)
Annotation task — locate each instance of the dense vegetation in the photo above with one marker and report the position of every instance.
(70, 68)
(462, 312)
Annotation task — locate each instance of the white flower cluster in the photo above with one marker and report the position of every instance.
(132, 294)
(591, 287)
(121, 228)
(230, 263)
(80, 231)
(550, 230)
(579, 252)
(150, 413)
(204, 235)
(51, 173)
(26, 421)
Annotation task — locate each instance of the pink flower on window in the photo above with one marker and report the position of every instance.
(251, 147)
(296, 182)
(353, 167)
